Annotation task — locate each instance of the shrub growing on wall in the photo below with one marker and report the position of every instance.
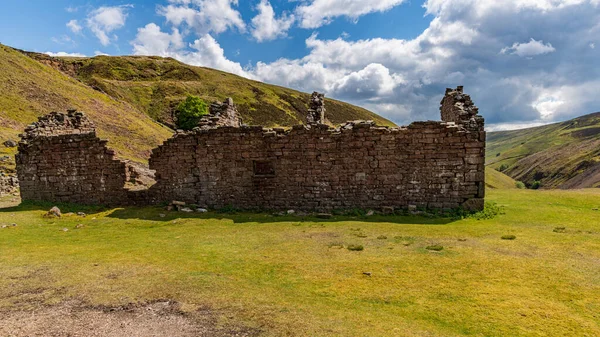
(190, 111)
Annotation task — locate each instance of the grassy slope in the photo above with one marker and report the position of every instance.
(498, 180)
(554, 154)
(155, 85)
(29, 89)
(283, 275)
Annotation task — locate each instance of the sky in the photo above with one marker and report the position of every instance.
(524, 62)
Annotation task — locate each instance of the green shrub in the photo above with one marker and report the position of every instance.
(503, 167)
(560, 230)
(355, 248)
(520, 185)
(508, 237)
(536, 185)
(190, 111)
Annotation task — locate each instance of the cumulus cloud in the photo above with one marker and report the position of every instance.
(105, 20)
(150, 40)
(266, 27)
(531, 48)
(63, 54)
(321, 12)
(204, 16)
(74, 26)
(204, 51)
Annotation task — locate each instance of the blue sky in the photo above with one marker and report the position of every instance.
(525, 62)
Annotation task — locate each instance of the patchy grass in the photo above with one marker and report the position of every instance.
(287, 276)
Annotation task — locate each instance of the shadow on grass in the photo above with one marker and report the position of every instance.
(157, 213)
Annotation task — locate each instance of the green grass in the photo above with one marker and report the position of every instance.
(498, 180)
(290, 276)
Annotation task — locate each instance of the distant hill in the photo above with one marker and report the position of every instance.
(155, 85)
(561, 155)
(29, 89)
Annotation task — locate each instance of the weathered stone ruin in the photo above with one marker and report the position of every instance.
(221, 114)
(61, 159)
(436, 165)
(316, 109)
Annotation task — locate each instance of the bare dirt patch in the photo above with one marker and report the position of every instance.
(160, 318)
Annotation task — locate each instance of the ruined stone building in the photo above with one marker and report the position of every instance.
(437, 165)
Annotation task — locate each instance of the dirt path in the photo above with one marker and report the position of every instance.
(161, 318)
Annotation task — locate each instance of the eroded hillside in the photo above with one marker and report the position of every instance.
(561, 155)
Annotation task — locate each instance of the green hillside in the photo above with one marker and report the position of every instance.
(498, 180)
(155, 85)
(561, 155)
(29, 89)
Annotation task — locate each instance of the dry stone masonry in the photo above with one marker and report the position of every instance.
(61, 159)
(436, 165)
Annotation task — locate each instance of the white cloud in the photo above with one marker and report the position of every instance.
(99, 53)
(593, 45)
(151, 41)
(72, 9)
(531, 48)
(205, 51)
(204, 16)
(320, 12)
(64, 54)
(105, 20)
(74, 26)
(266, 27)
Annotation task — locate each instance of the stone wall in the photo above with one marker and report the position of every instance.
(61, 159)
(436, 165)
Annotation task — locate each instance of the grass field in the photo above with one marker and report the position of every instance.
(295, 276)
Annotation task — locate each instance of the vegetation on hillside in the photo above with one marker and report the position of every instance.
(561, 155)
(498, 180)
(29, 89)
(156, 85)
(294, 276)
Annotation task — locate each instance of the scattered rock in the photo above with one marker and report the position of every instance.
(13, 225)
(560, 230)
(4, 226)
(370, 213)
(368, 273)
(81, 214)
(412, 208)
(169, 208)
(435, 248)
(462, 240)
(186, 210)
(594, 209)
(177, 203)
(79, 226)
(290, 211)
(382, 237)
(201, 210)
(508, 237)
(65, 229)
(10, 143)
(162, 215)
(324, 216)
(54, 212)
